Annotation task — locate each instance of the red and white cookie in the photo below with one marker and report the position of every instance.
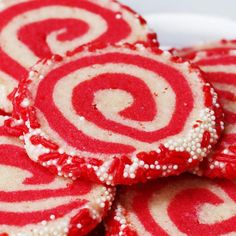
(184, 206)
(219, 67)
(34, 29)
(118, 114)
(33, 202)
(218, 47)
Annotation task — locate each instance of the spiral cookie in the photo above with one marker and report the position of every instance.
(218, 47)
(118, 114)
(184, 206)
(220, 69)
(30, 30)
(33, 202)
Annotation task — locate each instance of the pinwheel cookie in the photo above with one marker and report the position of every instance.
(218, 47)
(34, 202)
(184, 206)
(218, 61)
(118, 114)
(35, 29)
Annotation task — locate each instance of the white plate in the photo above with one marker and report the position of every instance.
(178, 30)
(188, 22)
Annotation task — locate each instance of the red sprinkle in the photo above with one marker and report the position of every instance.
(95, 162)
(113, 166)
(57, 58)
(32, 118)
(49, 156)
(36, 140)
(206, 139)
(12, 94)
(226, 158)
(62, 160)
(208, 96)
(85, 219)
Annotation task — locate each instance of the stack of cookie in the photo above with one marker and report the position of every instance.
(99, 124)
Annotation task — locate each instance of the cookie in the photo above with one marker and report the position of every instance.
(219, 68)
(102, 114)
(31, 30)
(34, 202)
(184, 206)
(219, 47)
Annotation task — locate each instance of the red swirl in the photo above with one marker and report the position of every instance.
(15, 156)
(225, 96)
(31, 33)
(183, 208)
(143, 108)
(189, 208)
(75, 28)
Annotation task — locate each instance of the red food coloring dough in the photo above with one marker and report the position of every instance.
(33, 200)
(102, 114)
(32, 30)
(184, 205)
(218, 61)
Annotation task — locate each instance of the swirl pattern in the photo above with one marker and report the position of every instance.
(213, 48)
(185, 205)
(31, 30)
(219, 67)
(35, 201)
(107, 109)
